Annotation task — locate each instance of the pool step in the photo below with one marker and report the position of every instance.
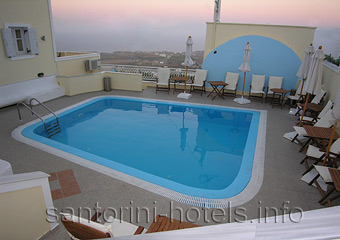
(52, 129)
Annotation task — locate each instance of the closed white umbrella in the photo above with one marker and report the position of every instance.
(187, 62)
(188, 52)
(303, 70)
(336, 116)
(245, 67)
(314, 77)
(217, 10)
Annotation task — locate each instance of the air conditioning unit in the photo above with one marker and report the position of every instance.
(92, 64)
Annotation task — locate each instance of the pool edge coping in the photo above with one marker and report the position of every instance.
(244, 196)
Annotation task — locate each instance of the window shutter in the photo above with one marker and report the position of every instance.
(32, 34)
(8, 42)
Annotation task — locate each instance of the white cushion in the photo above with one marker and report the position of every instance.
(200, 76)
(313, 151)
(232, 79)
(163, 75)
(324, 173)
(274, 82)
(97, 226)
(300, 130)
(257, 83)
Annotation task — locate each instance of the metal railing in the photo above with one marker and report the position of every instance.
(148, 73)
(52, 128)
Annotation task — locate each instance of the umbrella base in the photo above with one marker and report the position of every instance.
(242, 100)
(184, 95)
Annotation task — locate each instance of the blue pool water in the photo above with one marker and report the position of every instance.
(196, 150)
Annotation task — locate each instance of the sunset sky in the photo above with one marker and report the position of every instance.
(156, 25)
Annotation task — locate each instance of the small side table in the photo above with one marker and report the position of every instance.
(218, 91)
(282, 93)
(178, 80)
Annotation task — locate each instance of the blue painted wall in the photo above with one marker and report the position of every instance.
(268, 57)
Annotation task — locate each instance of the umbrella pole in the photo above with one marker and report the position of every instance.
(303, 82)
(330, 143)
(244, 81)
(186, 78)
(304, 110)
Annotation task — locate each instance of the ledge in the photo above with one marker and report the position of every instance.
(79, 56)
(331, 66)
(22, 177)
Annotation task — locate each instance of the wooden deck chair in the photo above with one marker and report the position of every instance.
(163, 83)
(318, 99)
(80, 228)
(314, 119)
(326, 121)
(317, 155)
(324, 173)
(273, 82)
(232, 80)
(199, 81)
(296, 96)
(257, 86)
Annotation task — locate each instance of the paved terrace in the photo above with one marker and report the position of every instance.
(75, 186)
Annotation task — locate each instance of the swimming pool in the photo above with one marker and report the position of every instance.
(204, 153)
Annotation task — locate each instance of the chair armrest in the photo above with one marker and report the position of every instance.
(95, 216)
(139, 230)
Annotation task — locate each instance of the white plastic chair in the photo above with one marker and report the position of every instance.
(199, 81)
(232, 80)
(163, 83)
(257, 86)
(274, 82)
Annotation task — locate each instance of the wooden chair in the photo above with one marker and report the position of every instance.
(318, 99)
(295, 94)
(80, 228)
(326, 121)
(232, 80)
(199, 81)
(330, 176)
(318, 154)
(312, 119)
(163, 83)
(257, 86)
(273, 82)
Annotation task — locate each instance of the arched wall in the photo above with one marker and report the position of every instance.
(268, 57)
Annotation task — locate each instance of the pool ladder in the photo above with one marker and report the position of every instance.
(51, 128)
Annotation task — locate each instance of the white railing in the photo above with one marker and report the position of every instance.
(148, 73)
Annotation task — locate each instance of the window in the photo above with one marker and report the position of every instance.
(20, 41)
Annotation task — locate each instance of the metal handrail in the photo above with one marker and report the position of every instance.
(44, 106)
(51, 129)
(31, 110)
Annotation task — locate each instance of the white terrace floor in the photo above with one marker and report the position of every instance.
(281, 181)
